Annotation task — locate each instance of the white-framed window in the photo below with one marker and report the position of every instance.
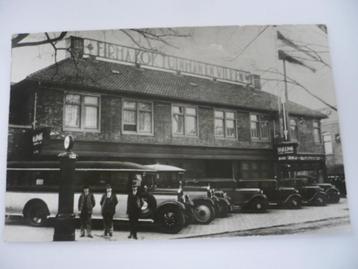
(293, 129)
(81, 112)
(316, 132)
(259, 127)
(184, 120)
(328, 147)
(224, 124)
(137, 117)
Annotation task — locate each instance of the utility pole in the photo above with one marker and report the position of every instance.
(286, 132)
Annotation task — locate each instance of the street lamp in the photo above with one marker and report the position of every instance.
(65, 218)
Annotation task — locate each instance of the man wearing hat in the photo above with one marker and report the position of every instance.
(134, 205)
(108, 203)
(86, 204)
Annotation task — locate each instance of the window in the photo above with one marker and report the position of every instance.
(316, 132)
(259, 127)
(293, 129)
(327, 140)
(224, 122)
(137, 117)
(184, 120)
(81, 112)
(255, 169)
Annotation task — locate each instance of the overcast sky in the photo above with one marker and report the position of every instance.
(249, 48)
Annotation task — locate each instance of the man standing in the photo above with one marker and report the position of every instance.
(134, 205)
(86, 203)
(108, 202)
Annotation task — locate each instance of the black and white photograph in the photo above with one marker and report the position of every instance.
(173, 133)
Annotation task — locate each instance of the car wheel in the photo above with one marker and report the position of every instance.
(171, 220)
(203, 213)
(294, 203)
(36, 214)
(259, 205)
(333, 197)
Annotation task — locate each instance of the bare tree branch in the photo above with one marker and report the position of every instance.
(16, 43)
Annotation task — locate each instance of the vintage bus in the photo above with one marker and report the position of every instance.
(32, 191)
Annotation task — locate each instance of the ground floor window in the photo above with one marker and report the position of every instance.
(255, 169)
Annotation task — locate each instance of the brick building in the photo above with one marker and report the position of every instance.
(132, 111)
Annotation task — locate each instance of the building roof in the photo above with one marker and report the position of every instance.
(115, 77)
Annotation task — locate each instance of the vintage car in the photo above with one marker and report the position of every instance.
(206, 205)
(333, 194)
(287, 197)
(207, 202)
(311, 194)
(33, 186)
(249, 199)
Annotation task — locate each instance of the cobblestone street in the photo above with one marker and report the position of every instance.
(331, 218)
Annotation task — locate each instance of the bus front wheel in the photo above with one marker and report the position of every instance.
(36, 213)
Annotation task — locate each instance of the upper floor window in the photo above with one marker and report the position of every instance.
(259, 127)
(316, 132)
(328, 147)
(81, 112)
(293, 129)
(224, 124)
(184, 120)
(137, 117)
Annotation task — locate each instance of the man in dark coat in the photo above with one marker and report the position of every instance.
(134, 205)
(86, 202)
(108, 203)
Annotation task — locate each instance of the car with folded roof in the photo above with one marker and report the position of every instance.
(248, 199)
(287, 197)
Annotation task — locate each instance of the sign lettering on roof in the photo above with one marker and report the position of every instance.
(163, 61)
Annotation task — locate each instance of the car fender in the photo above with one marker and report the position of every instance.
(36, 201)
(258, 196)
(205, 200)
(173, 203)
(292, 195)
(225, 200)
(318, 193)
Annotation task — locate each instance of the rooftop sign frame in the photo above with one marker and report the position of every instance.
(157, 60)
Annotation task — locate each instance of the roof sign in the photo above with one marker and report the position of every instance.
(148, 58)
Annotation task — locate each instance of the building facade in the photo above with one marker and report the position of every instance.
(210, 126)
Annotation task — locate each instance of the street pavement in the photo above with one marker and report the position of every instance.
(333, 218)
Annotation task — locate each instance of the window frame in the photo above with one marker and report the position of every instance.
(318, 127)
(296, 129)
(184, 119)
(259, 138)
(137, 101)
(224, 136)
(82, 113)
(330, 141)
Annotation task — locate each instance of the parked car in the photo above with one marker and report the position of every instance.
(252, 199)
(333, 194)
(219, 205)
(205, 205)
(311, 194)
(288, 197)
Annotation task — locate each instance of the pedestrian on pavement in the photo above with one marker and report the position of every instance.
(134, 205)
(108, 203)
(86, 203)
